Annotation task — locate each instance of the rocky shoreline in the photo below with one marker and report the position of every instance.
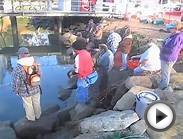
(91, 122)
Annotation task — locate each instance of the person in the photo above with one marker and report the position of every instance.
(90, 29)
(121, 55)
(98, 35)
(106, 57)
(26, 83)
(149, 60)
(113, 41)
(84, 70)
(105, 63)
(169, 54)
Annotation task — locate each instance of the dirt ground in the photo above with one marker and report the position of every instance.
(148, 30)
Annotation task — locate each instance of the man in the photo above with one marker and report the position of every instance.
(105, 63)
(121, 55)
(84, 69)
(149, 60)
(169, 54)
(25, 81)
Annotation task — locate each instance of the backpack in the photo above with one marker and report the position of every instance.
(32, 74)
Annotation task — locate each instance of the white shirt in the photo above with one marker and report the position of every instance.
(111, 59)
(152, 55)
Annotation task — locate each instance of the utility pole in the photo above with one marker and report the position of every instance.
(14, 31)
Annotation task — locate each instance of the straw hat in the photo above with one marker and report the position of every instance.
(180, 26)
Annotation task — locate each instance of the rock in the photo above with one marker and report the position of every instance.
(5, 124)
(108, 121)
(121, 90)
(128, 100)
(155, 79)
(139, 128)
(81, 111)
(102, 135)
(143, 81)
(177, 80)
(98, 111)
(64, 94)
(63, 133)
(6, 132)
(27, 129)
(51, 109)
(64, 116)
(166, 95)
(72, 84)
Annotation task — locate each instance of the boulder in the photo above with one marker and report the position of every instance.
(64, 94)
(62, 133)
(166, 95)
(128, 100)
(29, 129)
(121, 90)
(101, 135)
(139, 128)
(5, 124)
(6, 132)
(50, 109)
(108, 121)
(143, 81)
(177, 80)
(64, 116)
(81, 111)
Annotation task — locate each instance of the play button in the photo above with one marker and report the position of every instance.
(159, 116)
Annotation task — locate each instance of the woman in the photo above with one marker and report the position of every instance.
(169, 54)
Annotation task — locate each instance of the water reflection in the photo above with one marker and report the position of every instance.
(3, 67)
(54, 77)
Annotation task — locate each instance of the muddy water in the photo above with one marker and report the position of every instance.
(54, 77)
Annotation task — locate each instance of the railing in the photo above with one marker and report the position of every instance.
(56, 6)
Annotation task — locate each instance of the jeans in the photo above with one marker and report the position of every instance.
(166, 68)
(82, 95)
(32, 107)
(138, 71)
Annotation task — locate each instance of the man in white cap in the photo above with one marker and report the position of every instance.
(26, 83)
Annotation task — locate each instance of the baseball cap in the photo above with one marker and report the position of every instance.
(23, 50)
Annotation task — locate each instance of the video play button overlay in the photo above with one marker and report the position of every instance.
(160, 116)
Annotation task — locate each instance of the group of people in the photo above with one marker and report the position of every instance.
(92, 68)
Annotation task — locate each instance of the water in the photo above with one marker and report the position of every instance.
(54, 77)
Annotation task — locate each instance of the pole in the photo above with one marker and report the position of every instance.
(60, 19)
(14, 31)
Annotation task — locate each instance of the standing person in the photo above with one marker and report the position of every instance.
(105, 64)
(90, 29)
(113, 41)
(121, 55)
(26, 83)
(169, 54)
(84, 70)
(98, 35)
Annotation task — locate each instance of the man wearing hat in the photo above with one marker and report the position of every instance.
(169, 54)
(84, 69)
(30, 93)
